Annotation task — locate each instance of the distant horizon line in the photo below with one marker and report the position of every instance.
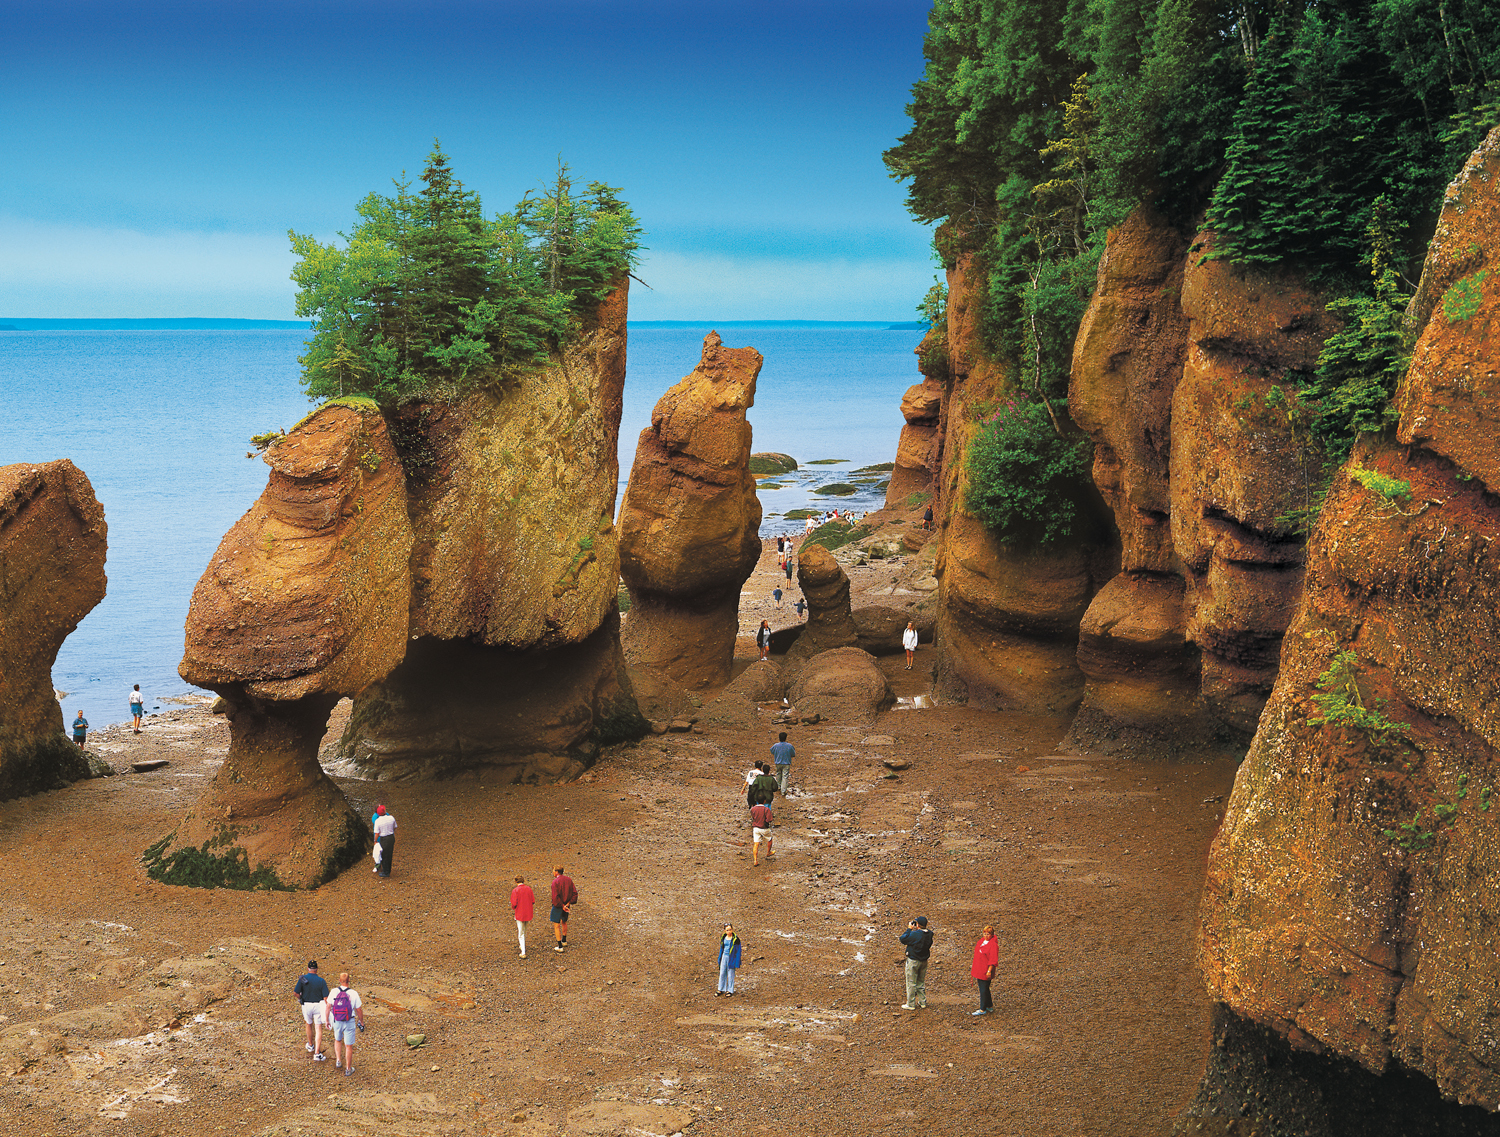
(231, 323)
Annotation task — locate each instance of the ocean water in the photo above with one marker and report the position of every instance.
(160, 421)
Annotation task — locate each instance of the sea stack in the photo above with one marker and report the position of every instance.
(689, 526)
(52, 546)
(305, 601)
(513, 656)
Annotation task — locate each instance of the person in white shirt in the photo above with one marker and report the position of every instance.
(137, 707)
(344, 1001)
(385, 833)
(909, 642)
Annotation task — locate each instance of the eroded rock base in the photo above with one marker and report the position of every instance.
(1256, 1085)
(271, 818)
(535, 715)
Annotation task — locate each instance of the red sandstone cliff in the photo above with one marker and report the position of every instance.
(1354, 889)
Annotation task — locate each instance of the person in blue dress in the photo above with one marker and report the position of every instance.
(729, 960)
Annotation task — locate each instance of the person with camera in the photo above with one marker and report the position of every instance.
(918, 941)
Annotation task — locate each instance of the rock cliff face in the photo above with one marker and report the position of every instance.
(1239, 468)
(52, 545)
(305, 601)
(1353, 893)
(825, 586)
(690, 526)
(513, 656)
(1008, 617)
(1173, 376)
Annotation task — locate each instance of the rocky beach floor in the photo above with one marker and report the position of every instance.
(131, 1008)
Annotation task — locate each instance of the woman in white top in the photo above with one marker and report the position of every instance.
(909, 642)
(137, 707)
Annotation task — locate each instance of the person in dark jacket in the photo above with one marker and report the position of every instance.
(764, 788)
(729, 960)
(763, 638)
(918, 941)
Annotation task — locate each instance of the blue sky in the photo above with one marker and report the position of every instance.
(155, 155)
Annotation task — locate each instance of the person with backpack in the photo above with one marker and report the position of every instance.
(346, 1017)
(764, 788)
(311, 990)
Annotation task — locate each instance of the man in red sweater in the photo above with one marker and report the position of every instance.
(564, 896)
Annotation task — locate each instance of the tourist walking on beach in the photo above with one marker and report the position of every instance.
(760, 830)
(909, 642)
(764, 788)
(729, 960)
(918, 941)
(564, 896)
(385, 833)
(522, 900)
(986, 960)
(789, 568)
(345, 1013)
(927, 518)
(137, 707)
(801, 607)
(776, 595)
(763, 637)
(808, 528)
(311, 990)
(80, 730)
(782, 753)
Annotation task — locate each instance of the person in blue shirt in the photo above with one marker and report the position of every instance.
(311, 990)
(782, 753)
(80, 730)
(729, 960)
(917, 940)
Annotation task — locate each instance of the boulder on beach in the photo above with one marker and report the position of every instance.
(844, 685)
(52, 546)
(768, 465)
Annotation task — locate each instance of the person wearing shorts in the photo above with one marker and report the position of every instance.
(344, 1031)
(311, 990)
(760, 830)
(564, 896)
(80, 730)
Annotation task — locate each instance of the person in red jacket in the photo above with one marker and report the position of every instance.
(521, 901)
(986, 960)
(564, 896)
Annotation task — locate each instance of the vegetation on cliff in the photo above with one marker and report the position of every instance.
(1038, 124)
(428, 296)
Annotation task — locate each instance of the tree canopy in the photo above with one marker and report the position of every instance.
(426, 296)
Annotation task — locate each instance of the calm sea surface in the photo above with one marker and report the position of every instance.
(160, 422)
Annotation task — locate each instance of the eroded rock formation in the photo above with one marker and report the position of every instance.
(825, 586)
(513, 659)
(1354, 890)
(689, 526)
(919, 451)
(1142, 670)
(305, 601)
(1007, 615)
(52, 546)
(844, 685)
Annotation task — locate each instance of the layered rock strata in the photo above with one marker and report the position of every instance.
(689, 526)
(513, 656)
(825, 586)
(305, 601)
(1353, 893)
(52, 547)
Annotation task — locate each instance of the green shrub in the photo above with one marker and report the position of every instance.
(1026, 477)
(1462, 300)
(1342, 705)
(1393, 490)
